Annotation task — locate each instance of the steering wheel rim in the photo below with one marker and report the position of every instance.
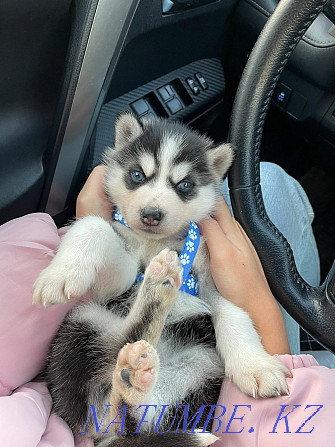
(312, 307)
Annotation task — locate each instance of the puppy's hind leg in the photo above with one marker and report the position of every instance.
(134, 378)
(137, 366)
(155, 299)
(136, 372)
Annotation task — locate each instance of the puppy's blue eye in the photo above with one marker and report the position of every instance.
(185, 186)
(137, 176)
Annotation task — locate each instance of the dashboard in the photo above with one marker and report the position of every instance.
(178, 59)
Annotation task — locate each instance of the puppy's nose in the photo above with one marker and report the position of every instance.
(151, 216)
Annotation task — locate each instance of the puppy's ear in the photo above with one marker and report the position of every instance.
(221, 158)
(127, 128)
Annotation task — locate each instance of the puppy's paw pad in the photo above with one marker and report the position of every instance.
(137, 366)
(166, 269)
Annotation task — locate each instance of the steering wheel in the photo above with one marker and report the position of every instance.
(313, 308)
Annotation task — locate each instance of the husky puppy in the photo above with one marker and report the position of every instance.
(148, 343)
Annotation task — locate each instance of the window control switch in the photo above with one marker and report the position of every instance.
(166, 92)
(174, 105)
(140, 107)
(202, 81)
(149, 115)
(193, 86)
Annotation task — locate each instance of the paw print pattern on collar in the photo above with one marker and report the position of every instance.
(186, 257)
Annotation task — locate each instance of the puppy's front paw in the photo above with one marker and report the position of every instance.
(136, 371)
(261, 376)
(57, 284)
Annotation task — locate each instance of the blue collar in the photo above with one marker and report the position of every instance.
(186, 257)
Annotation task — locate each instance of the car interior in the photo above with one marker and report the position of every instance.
(70, 67)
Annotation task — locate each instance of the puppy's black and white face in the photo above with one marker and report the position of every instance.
(162, 175)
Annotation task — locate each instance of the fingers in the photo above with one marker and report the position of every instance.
(214, 236)
(95, 181)
(218, 228)
(224, 217)
(92, 199)
(227, 223)
(231, 228)
(224, 232)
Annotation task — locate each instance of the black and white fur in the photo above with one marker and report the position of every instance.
(149, 343)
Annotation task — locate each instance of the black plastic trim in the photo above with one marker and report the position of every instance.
(210, 68)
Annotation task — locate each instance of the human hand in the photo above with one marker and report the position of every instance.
(92, 199)
(239, 277)
(234, 264)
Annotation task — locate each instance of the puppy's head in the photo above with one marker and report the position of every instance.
(162, 175)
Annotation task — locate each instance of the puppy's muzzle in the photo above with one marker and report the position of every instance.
(151, 216)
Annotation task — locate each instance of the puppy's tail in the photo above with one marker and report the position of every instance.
(178, 439)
